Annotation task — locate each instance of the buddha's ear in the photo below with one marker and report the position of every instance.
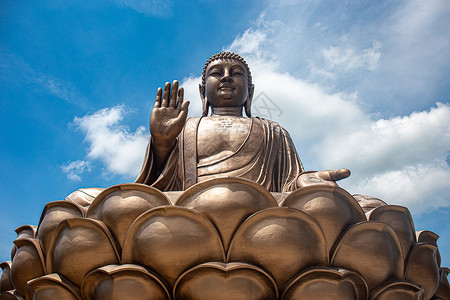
(248, 102)
(205, 105)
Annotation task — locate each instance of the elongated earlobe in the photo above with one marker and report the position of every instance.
(248, 110)
(248, 102)
(205, 105)
(205, 108)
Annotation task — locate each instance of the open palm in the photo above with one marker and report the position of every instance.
(169, 114)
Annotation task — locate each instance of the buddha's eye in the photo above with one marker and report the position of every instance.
(215, 72)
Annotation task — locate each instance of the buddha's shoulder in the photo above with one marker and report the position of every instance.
(268, 123)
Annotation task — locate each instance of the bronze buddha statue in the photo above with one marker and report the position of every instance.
(227, 237)
(183, 152)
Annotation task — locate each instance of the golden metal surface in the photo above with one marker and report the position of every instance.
(423, 269)
(398, 290)
(78, 246)
(399, 218)
(123, 282)
(11, 295)
(176, 250)
(371, 249)
(227, 202)
(24, 231)
(54, 213)
(332, 207)
(283, 241)
(119, 205)
(5, 279)
(443, 291)
(52, 286)
(27, 263)
(169, 240)
(84, 197)
(220, 281)
(326, 284)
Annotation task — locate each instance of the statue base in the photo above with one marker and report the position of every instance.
(225, 238)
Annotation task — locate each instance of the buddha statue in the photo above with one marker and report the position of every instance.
(227, 237)
(182, 152)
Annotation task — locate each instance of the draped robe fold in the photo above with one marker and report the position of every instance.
(267, 156)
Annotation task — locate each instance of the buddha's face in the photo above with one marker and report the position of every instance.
(226, 83)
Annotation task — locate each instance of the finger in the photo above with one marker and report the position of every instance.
(158, 98)
(184, 110)
(180, 97)
(339, 174)
(173, 94)
(166, 94)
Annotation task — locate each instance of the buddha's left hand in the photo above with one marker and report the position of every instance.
(325, 177)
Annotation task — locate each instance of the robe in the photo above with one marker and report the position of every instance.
(266, 156)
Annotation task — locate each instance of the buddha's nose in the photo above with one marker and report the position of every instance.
(226, 76)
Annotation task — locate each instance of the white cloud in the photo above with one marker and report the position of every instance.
(391, 144)
(75, 169)
(420, 187)
(401, 159)
(161, 8)
(120, 150)
(191, 93)
(349, 59)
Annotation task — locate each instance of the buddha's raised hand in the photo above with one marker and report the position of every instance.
(168, 115)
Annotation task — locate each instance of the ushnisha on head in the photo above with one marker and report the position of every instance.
(226, 81)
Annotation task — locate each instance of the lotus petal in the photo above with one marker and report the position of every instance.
(422, 268)
(443, 291)
(5, 279)
(78, 246)
(227, 202)
(426, 236)
(169, 240)
(119, 205)
(52, 286)
(368, 203)
(24, 231)
(398, 290)
(53, 213)
(225, 281)
(399, 218)
(28, 263)
(84, 197)
(11, 295)
(332, 207)
(327, 284)
(371, 249)
(124, 282)
(282, 241)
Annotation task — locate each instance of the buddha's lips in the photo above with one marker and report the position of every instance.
(226, 87)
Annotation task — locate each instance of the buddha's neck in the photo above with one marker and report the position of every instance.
(227, 111)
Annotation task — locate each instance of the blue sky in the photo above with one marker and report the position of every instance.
(358, 84)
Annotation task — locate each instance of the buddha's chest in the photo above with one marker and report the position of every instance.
(218, 137)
